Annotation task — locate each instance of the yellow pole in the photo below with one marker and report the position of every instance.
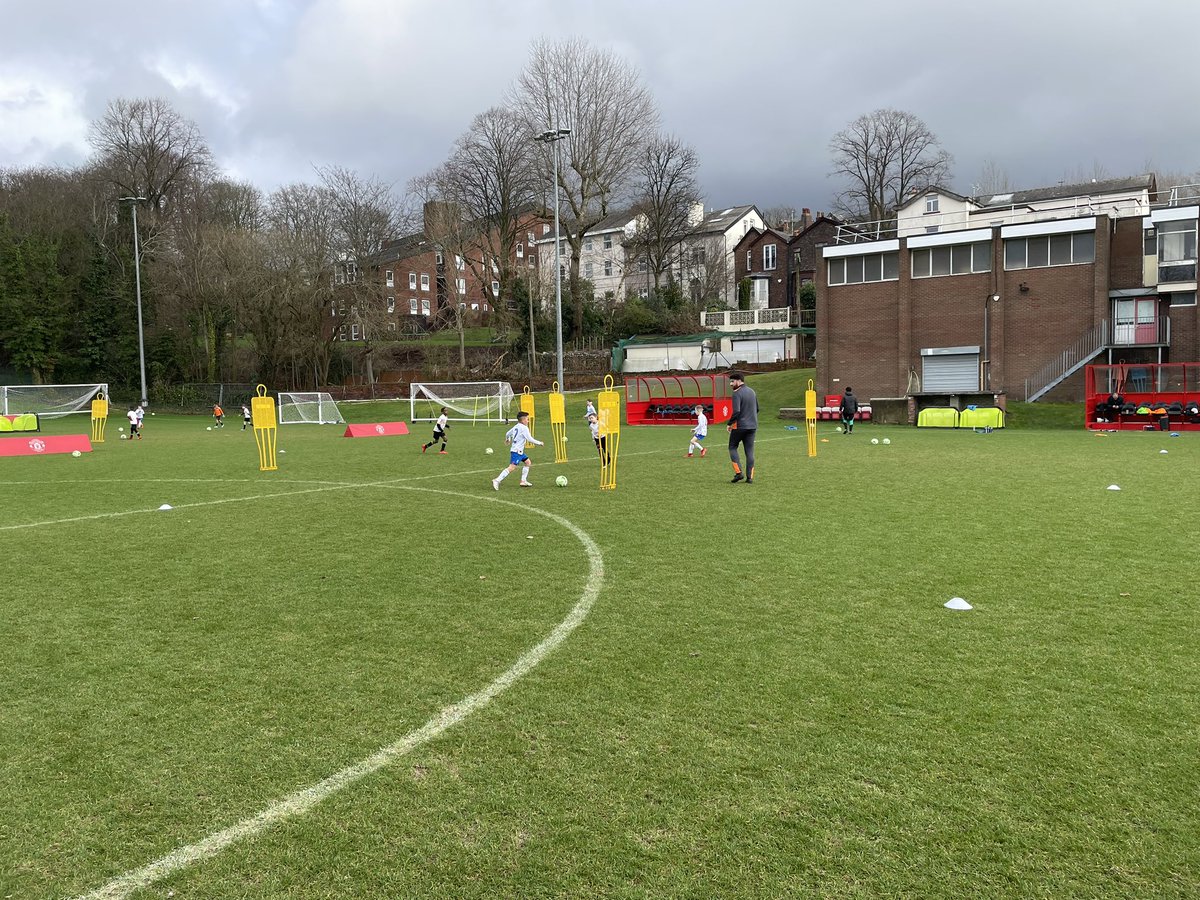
(558, 423)
(266, 429)
(528, 406)
(810, 417)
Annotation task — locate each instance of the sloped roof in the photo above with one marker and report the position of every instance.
(614, 221)
(722, 220)
(1063, 191)
(935, 189)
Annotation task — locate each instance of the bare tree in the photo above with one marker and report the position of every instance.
(884, 157)
(612, 115)
(993, 179)
(667, 194)
(1082, 174)
(146, 148)
(783, 217)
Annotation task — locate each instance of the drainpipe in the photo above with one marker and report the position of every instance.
(985, 361)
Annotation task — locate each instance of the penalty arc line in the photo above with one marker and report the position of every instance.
(302, 801)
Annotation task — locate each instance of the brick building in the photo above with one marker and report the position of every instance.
(1010, 294)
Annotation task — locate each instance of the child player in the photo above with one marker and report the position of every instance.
(219, 415)
(700, 432)
(518, 436)
(439, 433)
(600, 442)
(246, 417)
(133, 423)
(141, 414)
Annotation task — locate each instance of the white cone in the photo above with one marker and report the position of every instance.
(957, 603)
(1114, 487)
(1162, 451)
(166, 506)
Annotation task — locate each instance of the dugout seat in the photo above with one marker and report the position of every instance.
(6, 423)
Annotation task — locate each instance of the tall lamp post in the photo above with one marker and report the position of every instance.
(552, 138)
(137, 276)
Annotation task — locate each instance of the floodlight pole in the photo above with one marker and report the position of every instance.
(137, 277)
(552, 138)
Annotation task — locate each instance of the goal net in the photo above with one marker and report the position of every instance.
(49, 400)
(314, 408)
(465, 401)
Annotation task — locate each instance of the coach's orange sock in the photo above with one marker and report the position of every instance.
(737, 470)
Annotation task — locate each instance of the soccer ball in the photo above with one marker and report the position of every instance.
(209, 428)
(838, 429)
(489, 451)
(887, 440)
(561, 480)
(124, 436)
(874, 440)
(120, 429)
(76, 454)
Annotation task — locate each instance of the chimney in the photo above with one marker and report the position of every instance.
(806, 218)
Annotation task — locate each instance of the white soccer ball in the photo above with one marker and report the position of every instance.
(561, 480)
(120, 429)
(124, 436)
(489, 451)
(874, 440)
(209, 428)
(838, 429)
(76, 454)
(565, 438)
(887, 440)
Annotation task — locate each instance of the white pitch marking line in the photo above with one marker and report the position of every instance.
(302, 801)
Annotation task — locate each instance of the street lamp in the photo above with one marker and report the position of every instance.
(137, 276)
(552, 138)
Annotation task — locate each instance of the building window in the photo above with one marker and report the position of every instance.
(931, 203)
(391, 301)
(339, 276)
(333, 309)
(424, 282)
(760, 293)
(342, 333)
(961, 259)
(868, 268)
(1183, 298)
(462, 306)
(412, 306)
(412, 281)
(749, 260)
(587, 244)
(643, 293)
(769, 257)
(440, 259)
(530, 237)
(354, 332)
(1177, 251)
(608, 270)
(588, 270)
(425, 307)
(495, 289)
(390, 277)
(391, 326)
(545, 230)
(461, 285)
(1050, 250)
(520, 250)
(698, 256)
(459, 262)
(608, 242)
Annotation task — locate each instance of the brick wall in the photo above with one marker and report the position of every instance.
(777, 278)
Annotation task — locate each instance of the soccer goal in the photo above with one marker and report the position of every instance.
(49, 400)
(466, 401)
(313, 408)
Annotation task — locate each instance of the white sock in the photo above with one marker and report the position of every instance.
(503, 474)
(525, 475)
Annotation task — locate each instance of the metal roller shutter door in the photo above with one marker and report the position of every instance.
(950, 373)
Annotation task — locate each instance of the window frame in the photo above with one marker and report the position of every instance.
(412, 281)
(389, 278)
(774, 257)
(424, 282)
(391, 304)
(931, 203)
(1044, 243)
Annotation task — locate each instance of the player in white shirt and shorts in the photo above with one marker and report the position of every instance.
(700, 432)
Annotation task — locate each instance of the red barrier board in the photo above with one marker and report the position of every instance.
(376, 429)
(44, 445)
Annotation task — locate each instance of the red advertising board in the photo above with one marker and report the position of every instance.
(376, 429)
(44, 445)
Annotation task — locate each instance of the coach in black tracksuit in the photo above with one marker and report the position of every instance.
(743, 423)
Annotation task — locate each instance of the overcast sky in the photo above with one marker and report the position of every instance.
(1044, 89)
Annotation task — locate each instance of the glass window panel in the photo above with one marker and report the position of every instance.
(854, 270)
(1083, 247)
(873, 267)
(1183, 298)
(1014, 254)
(941, 260)
(891, 266)
(960, 259)
(1038, 249)
(982, 257)
(837, 271)
(1060, 249)
(920, 264)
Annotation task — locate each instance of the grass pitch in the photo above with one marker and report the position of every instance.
(767, 699)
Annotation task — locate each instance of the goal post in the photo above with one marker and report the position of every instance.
(465, 401)
(313, 407)
(49, 400)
